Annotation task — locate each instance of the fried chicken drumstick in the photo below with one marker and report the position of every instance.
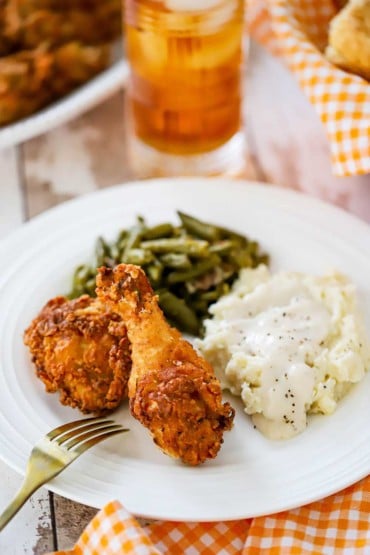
(81, 350)
(172, 390)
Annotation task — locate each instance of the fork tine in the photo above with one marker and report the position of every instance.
(86, 436)
(62, 438)
(97, 439)
(71, 425)
(47, 460)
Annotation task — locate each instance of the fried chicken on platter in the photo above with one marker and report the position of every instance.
(81, 350)
(26, 7)
(26, 25)
(172, 390)
(31, 79)
(5, 45)
(48, 48)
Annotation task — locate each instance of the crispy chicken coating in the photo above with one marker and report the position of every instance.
(172, 390)
(26, 7)
(74, 64)
(32, 79)
(50, 47)
(5, 44)
(349, 38)
(28, 26)
(81, 349)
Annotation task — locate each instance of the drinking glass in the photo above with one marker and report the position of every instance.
(183, 103)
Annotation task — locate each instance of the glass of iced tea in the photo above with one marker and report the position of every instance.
(185, 86)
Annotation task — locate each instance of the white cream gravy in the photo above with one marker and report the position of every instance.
(283, 325)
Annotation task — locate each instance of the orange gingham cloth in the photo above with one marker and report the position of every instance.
(297, 30)
(337, 525)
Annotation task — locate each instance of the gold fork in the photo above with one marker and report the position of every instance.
(56, 451)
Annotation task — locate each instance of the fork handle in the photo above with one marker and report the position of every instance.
(24, 493)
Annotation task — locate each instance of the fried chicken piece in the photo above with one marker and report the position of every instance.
(29, 80)
(172, 390)
(50, 47)
(22, 84)
(25, 72)
(74, 64)
(4, 42)
(26, 7)
(81, 349)
(349, 38)
(14, 107)
(27, 28)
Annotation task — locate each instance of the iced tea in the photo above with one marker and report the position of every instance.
(185, 58)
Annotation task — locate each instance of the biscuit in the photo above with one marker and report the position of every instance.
(349, 38)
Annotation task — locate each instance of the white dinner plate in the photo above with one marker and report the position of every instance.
(251, 475)
(84, 98)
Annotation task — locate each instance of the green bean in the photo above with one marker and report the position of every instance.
(241, 259)
(121, 245)
(196, 271)
(233, 235)
(198, 228)
(192, 247)
(133, 240)
(176, 309)
(90, 286)
(122, 235)
(81, 275)
(115, 253)
(215, 294)
(139, 257)
(179, 231)
(177, 261)
(191, 264)
(222, 247)
(102, 251)
(253, 248)
(220, 274)
(158, 231)
(263, 259)
(154, 272)
(200, 306)
(208, 231)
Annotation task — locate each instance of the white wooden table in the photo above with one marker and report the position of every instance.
(287, 146)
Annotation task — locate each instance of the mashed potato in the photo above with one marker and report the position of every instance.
(289, 344)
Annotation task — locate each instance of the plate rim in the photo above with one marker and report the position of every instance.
(278, 190)
(8, 242)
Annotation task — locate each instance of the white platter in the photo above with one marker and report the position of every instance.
(67, 108)
(251, 475)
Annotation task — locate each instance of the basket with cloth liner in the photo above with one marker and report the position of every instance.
(326, 45)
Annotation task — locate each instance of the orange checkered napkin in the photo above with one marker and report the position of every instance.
(337, 525)
(297, 30)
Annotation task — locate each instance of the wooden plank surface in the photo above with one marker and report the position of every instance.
(32, 530)
(76, 159)
(11, 201)
(287, 146)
